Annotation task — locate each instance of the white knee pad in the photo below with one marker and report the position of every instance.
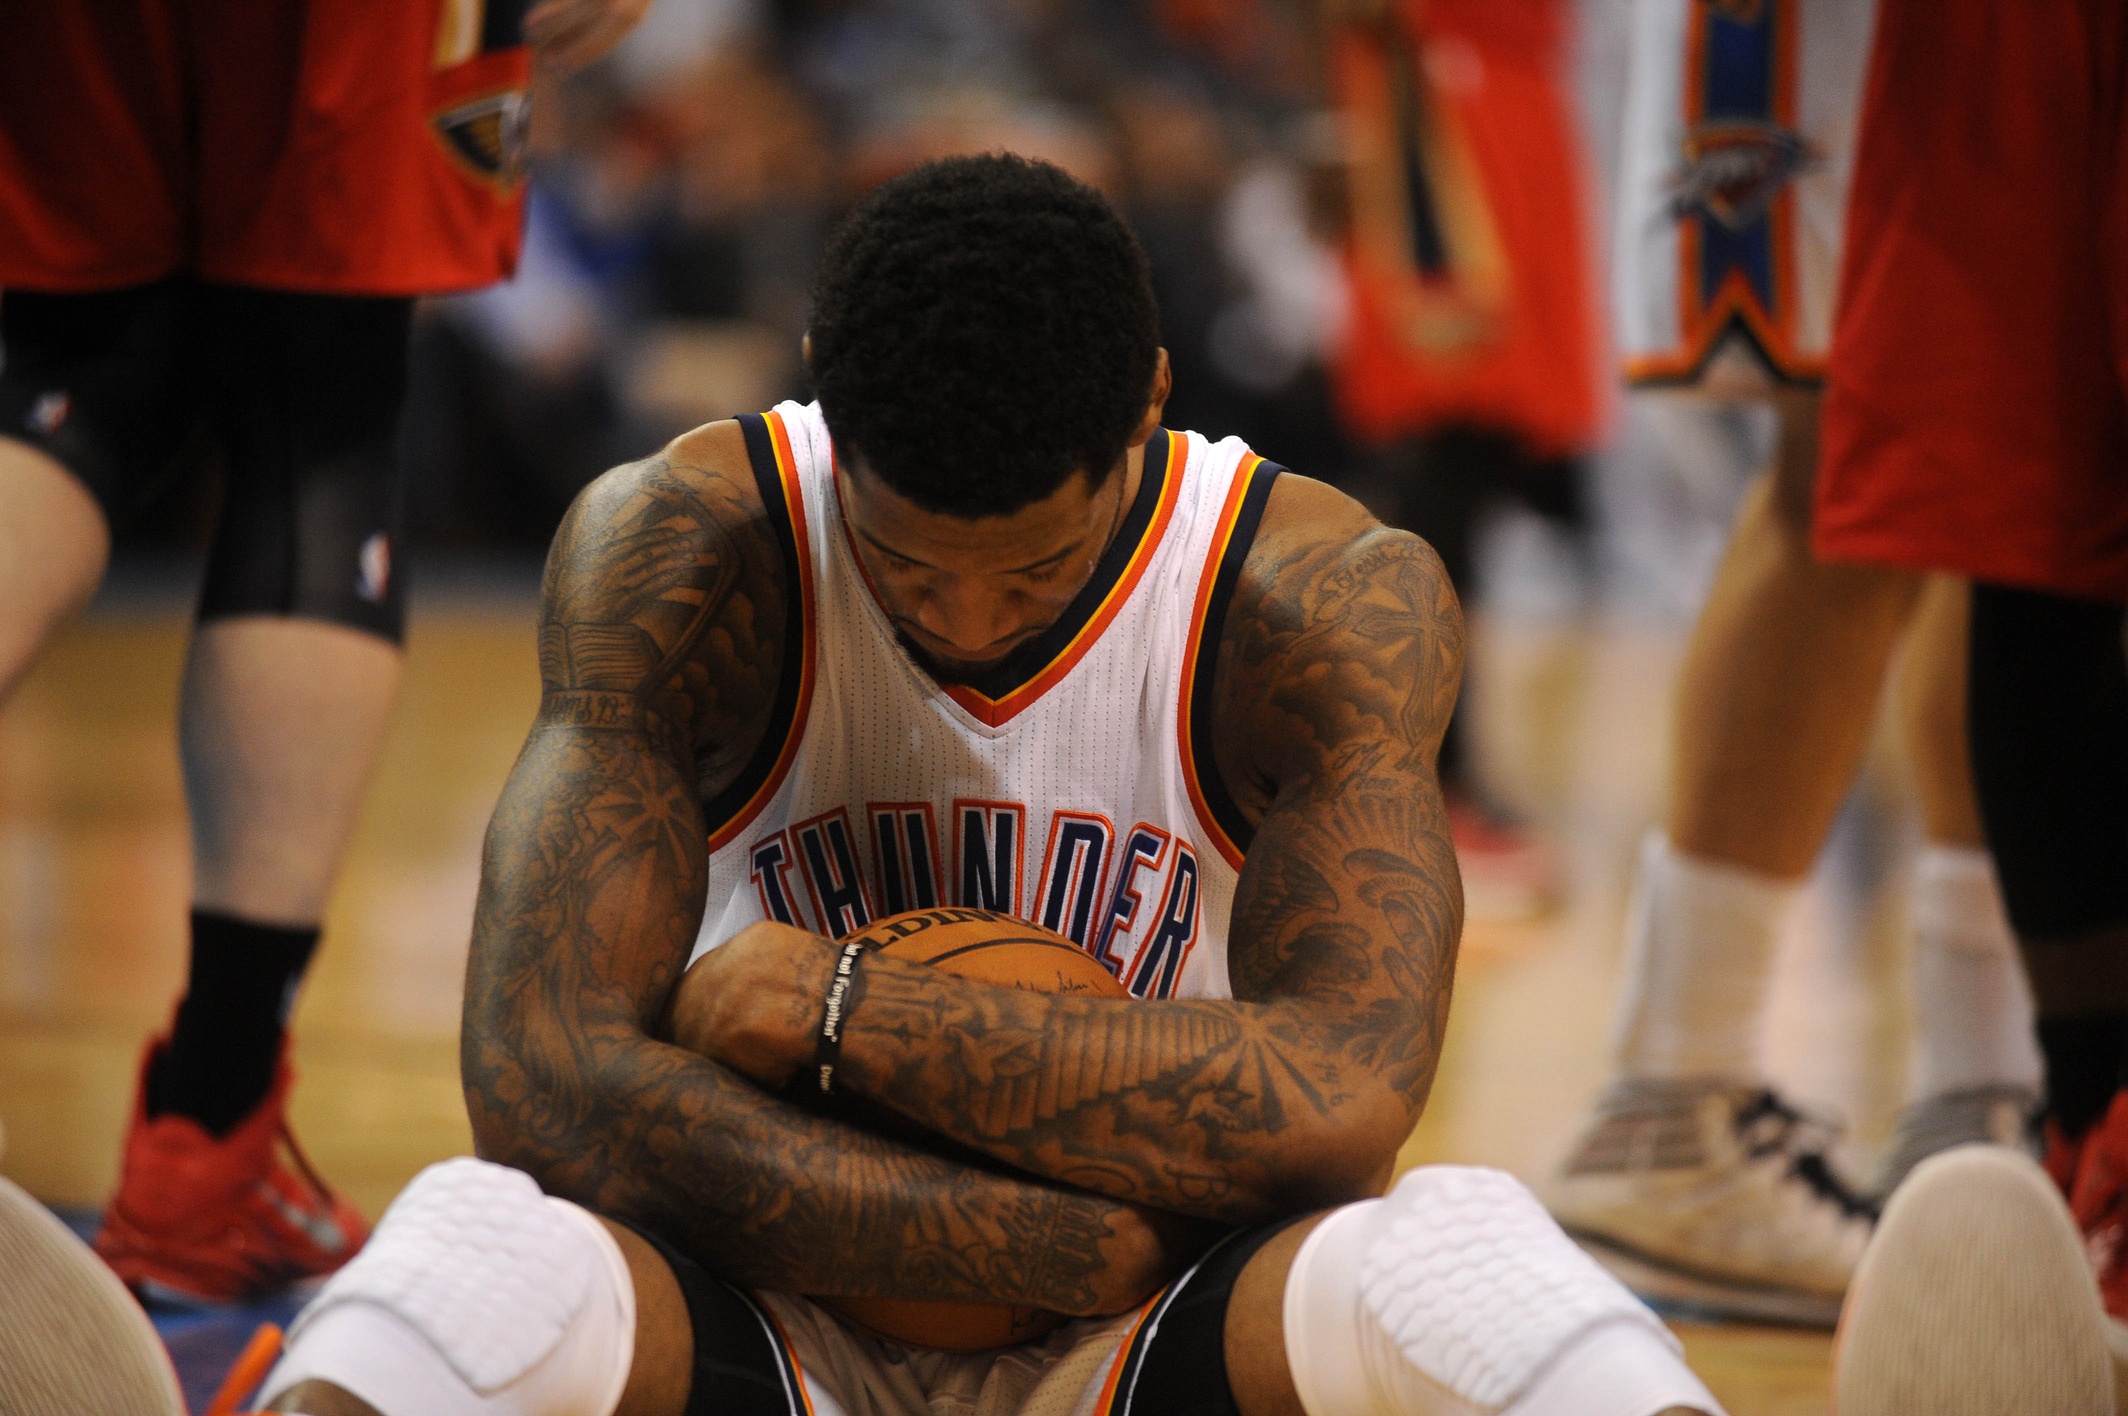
(1457, 1295)
(477, 1296)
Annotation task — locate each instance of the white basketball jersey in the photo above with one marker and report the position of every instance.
(1072, 787)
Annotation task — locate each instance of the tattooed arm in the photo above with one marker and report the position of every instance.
(1337, 670)
(663, 610)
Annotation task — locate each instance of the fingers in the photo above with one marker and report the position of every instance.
(569, 34)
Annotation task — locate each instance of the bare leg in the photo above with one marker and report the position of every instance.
(658, 1381)
(323, 1399)
(1782, 678)
(1932, 714)
(1256, 1328)
(279, 722)
(53, 549)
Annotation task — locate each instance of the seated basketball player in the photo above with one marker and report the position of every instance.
(973, 630)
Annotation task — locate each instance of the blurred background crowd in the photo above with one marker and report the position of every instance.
(681, 190)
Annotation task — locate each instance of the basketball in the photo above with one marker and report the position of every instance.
(992, 948)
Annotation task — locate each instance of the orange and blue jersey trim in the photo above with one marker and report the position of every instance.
(1032, 671)
(1012, 687)
(1738, 276)
(768, 449)
(1225, 825)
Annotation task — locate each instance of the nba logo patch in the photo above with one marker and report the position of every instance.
(49, 412)
(373, 575)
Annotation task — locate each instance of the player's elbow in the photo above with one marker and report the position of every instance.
(537, 1097)
(501, 1095)
(1353, 1156)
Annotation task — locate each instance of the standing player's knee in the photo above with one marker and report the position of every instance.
(1458, 1294)
(309, 403)
(477, 1294)
(2048, 697)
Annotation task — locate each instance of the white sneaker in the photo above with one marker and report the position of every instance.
(73, 1342)
(1992, 1115)
(1713, 1199)
(1974, 1300)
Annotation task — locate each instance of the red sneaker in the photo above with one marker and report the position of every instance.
(204, 1219)
(2099, 1201)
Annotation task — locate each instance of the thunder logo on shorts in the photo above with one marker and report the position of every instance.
(1740, 150)
(1739, 141)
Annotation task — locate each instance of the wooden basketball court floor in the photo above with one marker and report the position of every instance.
(93, 879)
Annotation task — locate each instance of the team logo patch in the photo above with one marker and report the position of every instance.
(1734, 169)
(488, 135)
(49, 412)
(373, 575)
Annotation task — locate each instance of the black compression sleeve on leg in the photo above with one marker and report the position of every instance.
(309, 391)
(2084, 1068)
(2047, 709)
(2048, 713)
(106, 383)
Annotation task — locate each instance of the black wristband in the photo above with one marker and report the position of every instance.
(845, 987)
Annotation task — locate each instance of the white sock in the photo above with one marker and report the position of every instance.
(1972, 1005)
(1700, 942)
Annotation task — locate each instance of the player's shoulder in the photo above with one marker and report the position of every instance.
(665, 571)
(1340, 627)
(691, 510)
(705, 470)
(1317, 551)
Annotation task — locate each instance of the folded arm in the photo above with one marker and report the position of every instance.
(1337, 673)
(652, 651)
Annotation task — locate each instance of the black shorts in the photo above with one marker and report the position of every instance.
(1173, 1364)
(300, 394)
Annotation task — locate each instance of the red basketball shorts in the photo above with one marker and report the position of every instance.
(352, 147)
(1976, 412)
(1468, 256)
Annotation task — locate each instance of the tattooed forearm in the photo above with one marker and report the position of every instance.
(1336, 678)
(659, 658)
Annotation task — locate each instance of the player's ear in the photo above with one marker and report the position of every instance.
(805, 349)
(1156, 402)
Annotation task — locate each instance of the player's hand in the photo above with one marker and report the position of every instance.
(753, 1003)
(568, 34)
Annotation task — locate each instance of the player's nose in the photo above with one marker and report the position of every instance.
(968, 616)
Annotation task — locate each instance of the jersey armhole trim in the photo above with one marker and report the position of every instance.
(1235, 533)
(768, 449)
